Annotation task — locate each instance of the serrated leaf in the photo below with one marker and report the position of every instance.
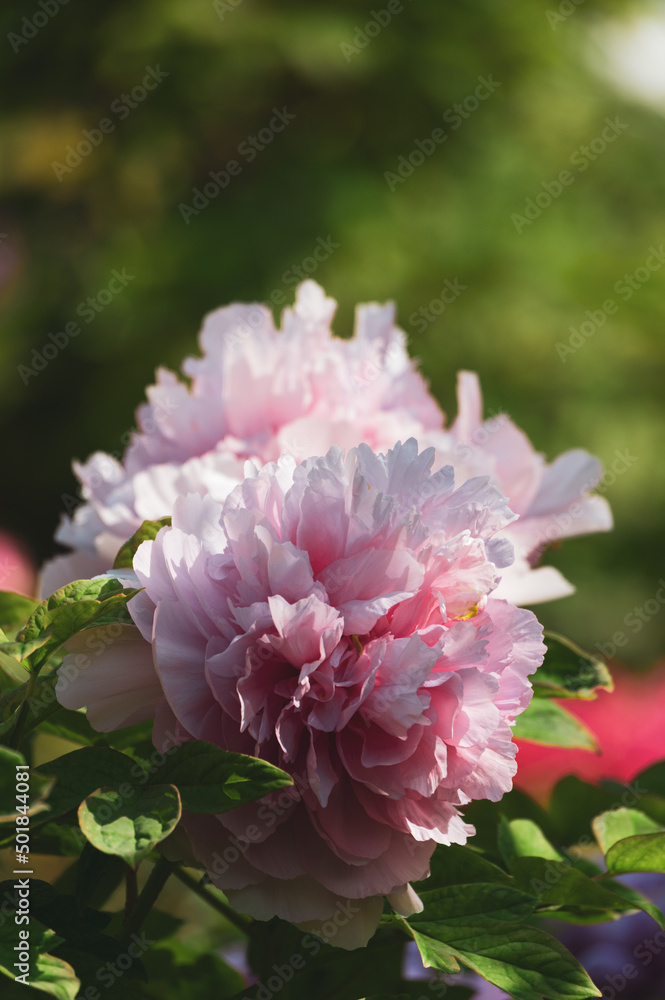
(147, 531)
(480, 926)
(67, 612)
(548, 723)
(569, 672)
(130, 826)
(211, 780)
(41, 705)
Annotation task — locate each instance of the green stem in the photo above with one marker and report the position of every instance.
(241, 923)
(148, 897)
(23, 711)
(131, 891)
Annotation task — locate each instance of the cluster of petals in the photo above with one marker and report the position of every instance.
(336, 618)
(258, 392)
(552, 501)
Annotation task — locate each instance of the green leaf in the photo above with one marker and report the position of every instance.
(147, 531)
(39, 787)
(72, 725)
(68, 611)
(15, 609)
(631, 841)
(47, 973)
(637, 854)
(434, 954)
(73, 921)
(548, 723)
(524, 838)
(94, 975)
(558, 884)
(62, 839)
(457, 865)
(569, 672)
(321, 971)
(636, 900)
(206, 978)
(98, 875)
(130, 826)
(211, 780)
(617, 824)
(652, 780)
(480, 926)
(79, 773)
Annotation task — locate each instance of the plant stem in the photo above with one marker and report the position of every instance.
(240, 922)
(146, 900)
(131, 891)
(23, 711)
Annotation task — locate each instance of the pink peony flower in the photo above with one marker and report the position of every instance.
(258, 392)
(335, 618)
(552, 501)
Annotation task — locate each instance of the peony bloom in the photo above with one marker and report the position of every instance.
(258, 393)
(335, 618)
(552, 501)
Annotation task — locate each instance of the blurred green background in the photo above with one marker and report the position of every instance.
(358, 108)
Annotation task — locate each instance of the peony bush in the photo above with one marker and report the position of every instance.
(288, 647)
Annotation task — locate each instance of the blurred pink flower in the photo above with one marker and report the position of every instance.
(17, 570)
(628, 725)
(336, 619)
(258, 392)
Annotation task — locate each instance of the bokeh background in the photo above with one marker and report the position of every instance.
(361, 99)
